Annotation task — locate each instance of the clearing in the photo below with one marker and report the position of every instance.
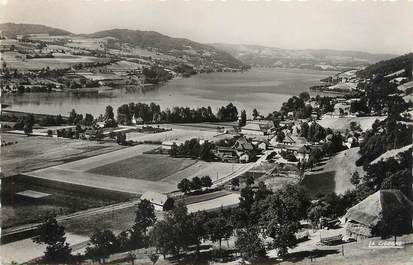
(333, 175)
(342, 124)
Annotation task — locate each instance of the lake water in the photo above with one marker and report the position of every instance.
(264, 89)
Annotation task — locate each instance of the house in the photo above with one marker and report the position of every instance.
(303, 154)
(263, 145)
(252, 129)
(364, 219)
(242, 144)
(138, 120)
(288, 140)
(226, 154)
(157, 199)
(244, 157)
(258, 127)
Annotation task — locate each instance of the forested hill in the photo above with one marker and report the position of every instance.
(321, 59)
(177, 47)
(404, 62)
(11, 30)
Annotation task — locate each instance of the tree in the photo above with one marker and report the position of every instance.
(153, 257)
(246, 199)
(206, 181)
(249, 243)
(197, 228)
(255, 114)
(145, 215)
(53, 235)
(162, 237)
(304, 96)
(196, 183)
(243, 120)
(101, 245)
(88, 119)
(169, 204)
(171, 235)
(280, 136)
(184, 185)
(121, 138)
(355, 178)
(235, 182)
(218, 228)
(109, 113)
(72, 116)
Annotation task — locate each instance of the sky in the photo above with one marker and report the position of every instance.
(381, 26)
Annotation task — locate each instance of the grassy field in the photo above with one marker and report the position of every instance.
(60, 61)
(342, 124)
(31, 153)
(18, 210)
(333, 175)
(177, 134)
(201, 168)
(147, 167)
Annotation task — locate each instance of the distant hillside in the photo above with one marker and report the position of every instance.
(404, 62)
(10, 30)
(256, 55)
(172, 46)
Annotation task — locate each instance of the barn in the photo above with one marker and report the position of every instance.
(364, 219)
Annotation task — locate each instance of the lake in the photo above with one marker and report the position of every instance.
(264, 89)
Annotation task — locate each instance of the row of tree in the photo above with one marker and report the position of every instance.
(195, 184)
(193, 149)
(152, 113)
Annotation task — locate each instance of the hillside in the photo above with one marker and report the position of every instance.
(177, 47)
(387, 67)
(309, 59)
(10, 30)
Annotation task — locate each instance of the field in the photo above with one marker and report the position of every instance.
(341, 124)
(129, 170)
(17, 210)
(32, 153)
(60, 61)
(151, 167)
(175, 134)
(333, 175)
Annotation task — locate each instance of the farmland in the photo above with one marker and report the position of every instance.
(31, 153)
(341, 124)
(131, 171)
(147, 167)
(59, 61)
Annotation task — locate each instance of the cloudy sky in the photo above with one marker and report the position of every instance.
(375, 26)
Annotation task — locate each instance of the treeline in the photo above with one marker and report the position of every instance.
(152, 113)
(195, 184)
(193, 149)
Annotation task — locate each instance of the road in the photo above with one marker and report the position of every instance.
(240, 171)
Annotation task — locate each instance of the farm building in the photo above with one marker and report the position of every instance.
(258, 127)
(167, 145)
(157, 199)
(226, 154)
(364, 219)
(242, 144)
(303, 154)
